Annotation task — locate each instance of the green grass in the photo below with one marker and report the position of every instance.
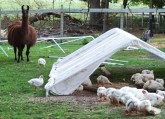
(15, 92)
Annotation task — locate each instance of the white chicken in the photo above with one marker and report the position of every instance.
(103, 80)
(42, 61)
(36, 82)
(80, 88)
(101, 93)
(49, 85)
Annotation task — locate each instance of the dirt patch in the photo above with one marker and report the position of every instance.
(76, 97)
(86, 96)
(158, 45)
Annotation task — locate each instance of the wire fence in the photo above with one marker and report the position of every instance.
(76, 21)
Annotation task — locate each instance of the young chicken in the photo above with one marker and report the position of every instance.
(42, 61)
(36, 82)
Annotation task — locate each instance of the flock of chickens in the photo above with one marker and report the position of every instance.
(134, 99)
(137, 100)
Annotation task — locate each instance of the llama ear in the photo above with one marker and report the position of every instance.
(22, 7)
(27, 7)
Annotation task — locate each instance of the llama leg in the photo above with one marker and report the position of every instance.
(19, 53)
(27, 52)
(15, 52)
(22, 51)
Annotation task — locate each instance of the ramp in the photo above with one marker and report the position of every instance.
(71, 71)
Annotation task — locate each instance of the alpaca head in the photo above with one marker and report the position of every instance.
(25, 11)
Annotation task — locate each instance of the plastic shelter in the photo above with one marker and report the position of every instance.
(73, 69)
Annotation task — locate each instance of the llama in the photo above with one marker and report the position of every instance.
(21, 34)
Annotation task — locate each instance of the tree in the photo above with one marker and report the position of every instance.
(105, 4)
(156, 3)
(39, 4)
(97, 19)
(125, 3)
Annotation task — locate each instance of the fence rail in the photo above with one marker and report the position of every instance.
(123, 18)
(134, 10)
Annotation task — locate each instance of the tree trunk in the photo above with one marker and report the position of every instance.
(105, 4)
(95, 18)
(151, 19)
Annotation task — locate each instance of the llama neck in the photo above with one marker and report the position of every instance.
(24, 25)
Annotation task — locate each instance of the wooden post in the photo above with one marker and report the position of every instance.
(62, 23)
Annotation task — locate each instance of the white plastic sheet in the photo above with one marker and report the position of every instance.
(73, 69)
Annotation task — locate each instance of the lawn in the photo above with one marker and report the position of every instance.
(15, 92)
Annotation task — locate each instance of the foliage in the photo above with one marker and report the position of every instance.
(156, 3)
(112, 1)
(85, 41)
(40, 4)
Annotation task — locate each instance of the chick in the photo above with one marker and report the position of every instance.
(42, 61)
(36, 82)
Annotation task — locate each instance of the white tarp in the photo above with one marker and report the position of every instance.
(71, 71)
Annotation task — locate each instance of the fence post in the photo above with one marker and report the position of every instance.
(53, 15)
(122, 18)
(159, 20)
(62, 23)
(126, 21)
(142, 20)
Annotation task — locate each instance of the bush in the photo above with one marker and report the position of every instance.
(85, 41)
